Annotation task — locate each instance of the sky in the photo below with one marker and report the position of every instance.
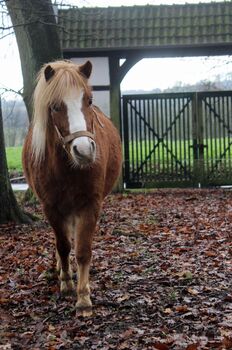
(165, 72)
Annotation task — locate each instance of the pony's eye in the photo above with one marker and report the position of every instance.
(56, 108)
(90, 101)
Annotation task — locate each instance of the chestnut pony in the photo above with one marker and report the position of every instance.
(71, 160)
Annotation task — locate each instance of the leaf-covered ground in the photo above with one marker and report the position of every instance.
(161, 278)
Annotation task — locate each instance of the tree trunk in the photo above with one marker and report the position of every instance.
(9, 209)
(38, 41)
(37, 38)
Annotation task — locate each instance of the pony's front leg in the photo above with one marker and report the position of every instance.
(63, 233)
(64, 269)
(83, 250)
(58, 263)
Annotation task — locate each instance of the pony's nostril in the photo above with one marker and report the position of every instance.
(92, 143)
(76, 152)
(84, 152)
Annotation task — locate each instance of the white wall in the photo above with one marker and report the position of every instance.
(100, 76)
(100, 73)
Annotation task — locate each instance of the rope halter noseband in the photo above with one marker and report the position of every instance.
(69, 138)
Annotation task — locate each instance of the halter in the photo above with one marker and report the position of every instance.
(67, 139)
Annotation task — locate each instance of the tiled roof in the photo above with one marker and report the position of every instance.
(146, 26)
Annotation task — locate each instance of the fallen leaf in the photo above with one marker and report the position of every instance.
(181, 308)
(123, 298)
(193, 291)
(192, 347)
(161, 346)
(168, 310)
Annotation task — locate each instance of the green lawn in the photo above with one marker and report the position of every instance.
(181, 150)
(14, 155)
(163, 152)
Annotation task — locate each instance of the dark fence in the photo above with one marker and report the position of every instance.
(182, 139)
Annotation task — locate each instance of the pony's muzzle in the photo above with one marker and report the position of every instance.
(83, 150)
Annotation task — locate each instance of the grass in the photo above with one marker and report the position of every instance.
(14, 155)
(162, 154)
(161, 157)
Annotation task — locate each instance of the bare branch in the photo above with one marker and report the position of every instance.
(8, 34)
(10, 112)
(6, 89)
(29, 23)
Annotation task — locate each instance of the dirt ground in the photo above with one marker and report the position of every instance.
(161, 277)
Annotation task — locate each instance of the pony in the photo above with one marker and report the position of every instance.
(71, 159)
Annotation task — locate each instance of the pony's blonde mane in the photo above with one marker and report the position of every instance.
(66, 77)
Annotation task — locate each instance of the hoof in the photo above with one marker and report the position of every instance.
(84, 306)
(84, 311)
(58, 268)
(67, 287)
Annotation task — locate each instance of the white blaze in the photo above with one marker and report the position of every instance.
(77, 122)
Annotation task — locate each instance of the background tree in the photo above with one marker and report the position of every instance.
(37, 36)
(15, 121)
(38, 42)
(9, 209)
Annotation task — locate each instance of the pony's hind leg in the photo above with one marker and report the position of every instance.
(83, 249)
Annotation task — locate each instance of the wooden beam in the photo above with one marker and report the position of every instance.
(100, 87)
(128, 64)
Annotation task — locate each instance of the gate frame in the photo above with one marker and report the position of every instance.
(198, 146)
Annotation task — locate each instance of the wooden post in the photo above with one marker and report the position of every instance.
(115, 92)
(200, 135)
(115, 101)
(117, 73)
(194, 137)
(198, 140)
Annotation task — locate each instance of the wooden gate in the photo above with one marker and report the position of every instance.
(181, 139)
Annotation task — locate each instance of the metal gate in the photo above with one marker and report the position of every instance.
(177, 140)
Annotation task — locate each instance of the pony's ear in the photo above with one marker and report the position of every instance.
(48, 72)
(86, 69)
